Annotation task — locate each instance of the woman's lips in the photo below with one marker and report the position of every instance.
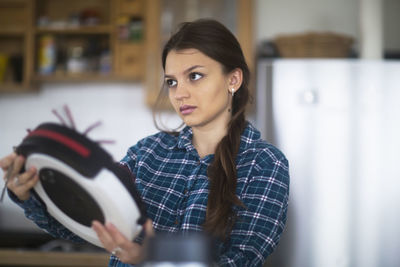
(186, 109)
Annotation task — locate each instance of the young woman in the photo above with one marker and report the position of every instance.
(215, 175)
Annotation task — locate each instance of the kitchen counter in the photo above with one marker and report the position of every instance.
(10, 257)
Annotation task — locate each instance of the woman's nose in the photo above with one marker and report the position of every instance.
(181, 92)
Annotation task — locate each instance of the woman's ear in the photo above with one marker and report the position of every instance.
(235, 79)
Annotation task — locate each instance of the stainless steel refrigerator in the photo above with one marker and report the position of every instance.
(338, 122)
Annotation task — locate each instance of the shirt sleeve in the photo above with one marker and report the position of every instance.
(130, 159)
(35, 211)
(259, 225)
(130, 164)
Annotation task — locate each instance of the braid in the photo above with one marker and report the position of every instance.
(220, 215)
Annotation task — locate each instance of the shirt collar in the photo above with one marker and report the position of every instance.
(184, 139)
(249, 135)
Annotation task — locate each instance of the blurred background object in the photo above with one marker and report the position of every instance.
(47, 55)
(3, 66)
(176, 250)
(17, 63)
(314, 45)
(337, 122)
(77, 62)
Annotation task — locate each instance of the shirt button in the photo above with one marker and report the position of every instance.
(176, 222)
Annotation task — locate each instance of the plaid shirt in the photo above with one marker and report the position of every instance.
(172, 180)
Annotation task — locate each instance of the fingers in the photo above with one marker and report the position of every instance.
(25, 177)
(20, 184)
(18, 164)
(114, 241)
(28, 185)
(7, 161)
(12, 164)
(149, 233)
(104, 236)
(148, 228)
(119, 239)
(110, 236)
(22, 189)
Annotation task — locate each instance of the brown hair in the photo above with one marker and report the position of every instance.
(215, 41)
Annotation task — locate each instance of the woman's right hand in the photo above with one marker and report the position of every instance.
(19, 183)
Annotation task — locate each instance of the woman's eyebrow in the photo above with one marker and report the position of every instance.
(185, 71)
(192, 68)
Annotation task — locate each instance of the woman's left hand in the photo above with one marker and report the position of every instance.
(116, 243)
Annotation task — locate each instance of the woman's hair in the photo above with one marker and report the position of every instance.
(215, 41)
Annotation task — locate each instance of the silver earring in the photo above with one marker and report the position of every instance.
(232, 91)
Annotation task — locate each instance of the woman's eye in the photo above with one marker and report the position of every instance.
(170, 83)
(194, 76)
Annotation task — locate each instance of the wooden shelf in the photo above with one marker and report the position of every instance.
(9, 87)
(12, 3)
(100, 29)
(65, 259)
(10, 30)
(81, 77)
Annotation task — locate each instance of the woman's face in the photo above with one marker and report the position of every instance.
(198, 88)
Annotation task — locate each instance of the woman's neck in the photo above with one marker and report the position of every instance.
(205, 140)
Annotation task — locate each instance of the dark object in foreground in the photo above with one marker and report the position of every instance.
(179, 250)
(79, 182)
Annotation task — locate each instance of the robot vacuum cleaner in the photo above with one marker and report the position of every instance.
(79, 182)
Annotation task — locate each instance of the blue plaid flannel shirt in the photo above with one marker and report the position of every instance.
(172, 180)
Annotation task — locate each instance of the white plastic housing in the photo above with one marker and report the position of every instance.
(114, 200)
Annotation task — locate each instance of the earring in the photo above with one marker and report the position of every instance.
(232, 91)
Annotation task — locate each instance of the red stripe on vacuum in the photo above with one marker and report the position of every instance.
(72, 144)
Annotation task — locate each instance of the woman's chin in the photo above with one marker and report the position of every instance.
(190, 122)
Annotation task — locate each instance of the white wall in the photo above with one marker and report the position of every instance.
(120, 107)
(275, 17)
(293, 16)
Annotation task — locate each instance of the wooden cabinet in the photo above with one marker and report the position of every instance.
(15, 44)
(93, 39)
(129, 60)
(130, 51)
(106, 40)
(74, 40)
(131, 7)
